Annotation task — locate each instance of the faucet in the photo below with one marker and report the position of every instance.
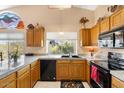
(69, 54)
(1, 56)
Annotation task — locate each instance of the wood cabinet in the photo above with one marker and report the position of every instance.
(35, 72)
(62, 69)
(94, 35)
(11, 85)
(38, 37)
(117, 19)
(9, 81)
(116, 83)
(105, 25)
(35, 37)
(77, 70)
(30, 40)
(88, 72)
(23, 77)
(84, 37)
(71, 70)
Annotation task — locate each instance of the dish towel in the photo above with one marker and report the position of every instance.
(94, 73)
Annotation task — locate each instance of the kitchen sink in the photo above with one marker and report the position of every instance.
(72, 56)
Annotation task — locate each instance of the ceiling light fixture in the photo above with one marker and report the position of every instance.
(61, 33)
(61, 7)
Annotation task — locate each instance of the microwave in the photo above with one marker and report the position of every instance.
(112, 39)
(106, 40)
(119, 39)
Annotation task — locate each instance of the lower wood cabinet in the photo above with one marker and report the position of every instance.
(116, 83)
(35, 72)
(11, 85)
(88, 72)
(9, 81)
(23, 77)
(62, 69)
(77, 70)
(70, 70)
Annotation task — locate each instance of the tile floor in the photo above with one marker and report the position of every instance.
(55, 84)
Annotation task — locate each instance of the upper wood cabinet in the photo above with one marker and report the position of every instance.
(71, 70)
(35, 37)
(30, 38)
(117, 19)
(94, 35)
(84, 37)
(116, 83)
(105, 25)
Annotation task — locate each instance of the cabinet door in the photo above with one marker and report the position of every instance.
(105, 25)
(38, 37)
(11, 85)
(117, 19)
(62, 70)
(30, 38)
(116, 83)
(77, 70)
(88, 72)
(35, 74)
(24, 80)
(7, 80)
(94, 35)
(84, 37)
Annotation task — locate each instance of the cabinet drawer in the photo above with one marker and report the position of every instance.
(11, 85)
(36, 63)
(117, 83)
(5, 81)
(63, 61)
(23, 70)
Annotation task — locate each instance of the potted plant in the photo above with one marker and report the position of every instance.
(15, 55)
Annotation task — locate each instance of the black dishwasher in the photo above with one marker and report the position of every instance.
(48, 70)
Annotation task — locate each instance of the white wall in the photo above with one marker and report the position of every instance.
(53, 19)
(101, 11)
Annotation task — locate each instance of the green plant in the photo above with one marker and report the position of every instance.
(15, 54)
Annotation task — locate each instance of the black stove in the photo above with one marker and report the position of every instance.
(115, 62)
(101, 69)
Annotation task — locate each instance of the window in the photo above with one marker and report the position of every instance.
(10, 20)
(61, 43)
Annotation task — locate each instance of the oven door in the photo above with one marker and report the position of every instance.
(103, 78)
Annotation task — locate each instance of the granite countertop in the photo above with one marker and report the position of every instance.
(118, 74)
(6, 69)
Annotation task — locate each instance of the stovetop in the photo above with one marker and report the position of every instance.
(103, 64)
(115, 62)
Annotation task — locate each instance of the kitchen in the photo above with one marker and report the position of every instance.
(62, 46)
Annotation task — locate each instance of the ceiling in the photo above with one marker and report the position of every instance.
(89, 7)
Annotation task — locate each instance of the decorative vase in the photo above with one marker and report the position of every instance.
(15, 61)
